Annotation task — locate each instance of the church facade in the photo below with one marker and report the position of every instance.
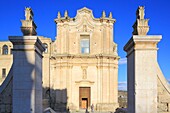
(80, 67)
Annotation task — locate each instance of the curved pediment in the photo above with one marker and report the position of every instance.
(85, 19)
(84, 11)
(83, 14)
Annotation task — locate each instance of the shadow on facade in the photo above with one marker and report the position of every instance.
(56, 99)
(20, 72)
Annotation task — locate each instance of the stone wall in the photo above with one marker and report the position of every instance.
(5, 59)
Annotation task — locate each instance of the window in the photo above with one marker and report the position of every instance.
(85, 46)
(46, 48)
(3, 72)
(5, 50)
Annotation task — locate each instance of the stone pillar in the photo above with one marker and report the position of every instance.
(141, 67)
(142, 78)
(27, 74)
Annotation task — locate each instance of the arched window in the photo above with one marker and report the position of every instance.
(46, 48)
(5, 50)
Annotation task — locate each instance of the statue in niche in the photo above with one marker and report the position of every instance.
(84, 74)
(85, 28)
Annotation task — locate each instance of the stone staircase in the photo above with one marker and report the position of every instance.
(49, 110)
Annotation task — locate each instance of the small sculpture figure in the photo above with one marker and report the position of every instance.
(140, 12)
(28, 13)
(28, 27)
(141, 25)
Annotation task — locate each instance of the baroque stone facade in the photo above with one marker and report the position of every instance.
(80, 67)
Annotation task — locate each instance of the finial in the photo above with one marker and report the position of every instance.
(59, 15)
(110, 15)
(103, 14)
(66, 14)
(141, 25)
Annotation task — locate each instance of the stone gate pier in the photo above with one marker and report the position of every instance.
(143, 70)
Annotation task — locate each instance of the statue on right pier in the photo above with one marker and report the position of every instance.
(141, 25)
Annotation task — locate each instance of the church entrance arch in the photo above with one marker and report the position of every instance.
(84, 97)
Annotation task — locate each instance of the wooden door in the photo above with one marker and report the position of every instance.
(84, 97)
(84, 104)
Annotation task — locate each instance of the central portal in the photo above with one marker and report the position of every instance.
(84, 97)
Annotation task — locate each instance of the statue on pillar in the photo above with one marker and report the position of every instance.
(28, 14)
(140, 13)
(141, 25)
(28, 27)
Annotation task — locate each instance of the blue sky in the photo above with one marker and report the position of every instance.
(124, 11)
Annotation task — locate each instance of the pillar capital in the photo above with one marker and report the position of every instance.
(137, 42)
(27, 43)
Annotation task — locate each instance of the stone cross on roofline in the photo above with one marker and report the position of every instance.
(141, 25)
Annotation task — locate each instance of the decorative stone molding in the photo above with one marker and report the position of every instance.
(83, 82)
